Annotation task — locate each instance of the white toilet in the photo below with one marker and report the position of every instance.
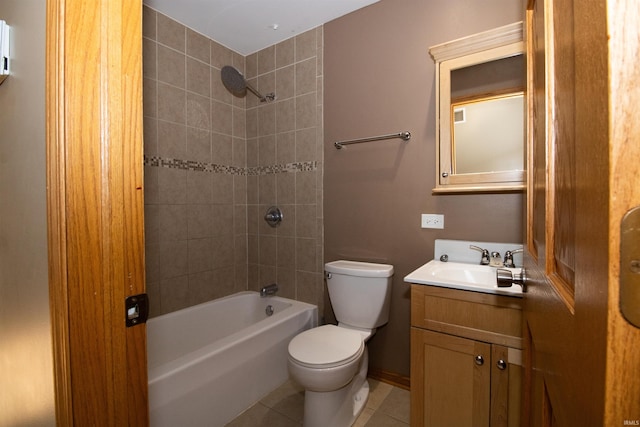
(330, 361)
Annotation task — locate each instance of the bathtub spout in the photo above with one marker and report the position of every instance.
(269, 290)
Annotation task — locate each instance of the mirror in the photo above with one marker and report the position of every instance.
(480, 116)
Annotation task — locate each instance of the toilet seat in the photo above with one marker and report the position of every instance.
(326, 346)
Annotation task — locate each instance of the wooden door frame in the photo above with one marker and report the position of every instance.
(95, 209)
(623, 349)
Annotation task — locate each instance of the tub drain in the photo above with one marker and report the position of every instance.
(269, 310)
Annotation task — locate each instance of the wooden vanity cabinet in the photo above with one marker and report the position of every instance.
(466, 358)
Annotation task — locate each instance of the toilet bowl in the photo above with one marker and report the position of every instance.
(330, 361)
(325, 358)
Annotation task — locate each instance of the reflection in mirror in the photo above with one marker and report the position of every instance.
(500, 121)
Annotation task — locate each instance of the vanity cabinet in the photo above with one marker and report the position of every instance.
(466, 358)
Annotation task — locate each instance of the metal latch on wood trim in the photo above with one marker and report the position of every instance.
(136, 309)
(630, 266)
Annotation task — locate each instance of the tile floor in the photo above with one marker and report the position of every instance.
(388, 406)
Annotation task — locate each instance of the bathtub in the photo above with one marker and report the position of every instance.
(210, 362)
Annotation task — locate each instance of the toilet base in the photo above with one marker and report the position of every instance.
(338, 408)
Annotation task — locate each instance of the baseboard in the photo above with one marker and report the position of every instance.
(389, 378)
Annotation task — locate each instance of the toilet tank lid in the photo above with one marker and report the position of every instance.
(360, 269)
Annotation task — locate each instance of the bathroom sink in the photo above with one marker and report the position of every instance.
(457, 275)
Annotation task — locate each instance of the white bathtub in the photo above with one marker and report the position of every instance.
(210, 362)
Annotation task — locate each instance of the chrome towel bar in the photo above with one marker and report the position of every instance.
(405, 136)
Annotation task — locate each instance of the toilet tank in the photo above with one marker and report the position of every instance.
(360, 292)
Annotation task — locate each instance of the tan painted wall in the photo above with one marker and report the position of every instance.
(379, 79)
(26, 372)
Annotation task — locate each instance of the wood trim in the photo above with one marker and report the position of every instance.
(623, 362)
(56, 217)
(95, 209)
(391, 378)
(474, 43)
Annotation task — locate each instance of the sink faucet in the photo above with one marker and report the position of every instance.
(485, 254)
(269, 290)
(496, 261)
(508, 258)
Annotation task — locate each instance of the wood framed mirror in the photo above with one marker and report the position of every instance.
(480, 112)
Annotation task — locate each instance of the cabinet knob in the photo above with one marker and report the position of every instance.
(501, 364)
(479, 360)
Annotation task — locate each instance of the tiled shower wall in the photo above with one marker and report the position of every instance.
(214, 163)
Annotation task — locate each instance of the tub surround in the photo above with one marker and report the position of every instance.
(215, 162)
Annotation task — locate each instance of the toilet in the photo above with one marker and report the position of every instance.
(331, 361)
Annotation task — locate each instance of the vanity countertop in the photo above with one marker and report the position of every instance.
(468, 277)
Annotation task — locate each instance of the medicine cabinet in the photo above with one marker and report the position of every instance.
(480, 112)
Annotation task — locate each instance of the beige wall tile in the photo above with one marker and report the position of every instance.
(198, 145)
(199, 224)
(222, 188)
(198, 77)
(285, 115)
(221, 117)
(286, 188)
(306, 45)
(216, 237)
(172, 140)
(267, 150)
(171, 66)
(198, 111)
(173, 258)
(268, 250)
(306, 221)
(285, 82)
(285, 53)
(150, 136)
(306, 188)
(170, 33)
(150, 97)
(148, 22)
(221, 149)
(172, 186)
(306, 145)
(171, 103)
(306, 76)
(174, 293)
(306, 111)
(198, 46)
(266, 119)
(306, 255)
(220, 55)
(172, 222)
(267, 189)
(149, 58)
(200, 255)
(285, 147)
(266, 60)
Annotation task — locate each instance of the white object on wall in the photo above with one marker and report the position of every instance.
(4, 50)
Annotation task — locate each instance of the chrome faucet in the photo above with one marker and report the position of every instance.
(508, 258)
(496, 261)
(269, 290)
(485, 254)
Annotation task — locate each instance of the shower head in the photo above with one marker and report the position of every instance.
(235, 83)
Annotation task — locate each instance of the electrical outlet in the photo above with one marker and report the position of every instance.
(432, 221)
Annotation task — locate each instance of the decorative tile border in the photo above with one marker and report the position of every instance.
(191, 165)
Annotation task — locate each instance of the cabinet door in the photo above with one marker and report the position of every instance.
(506, 386)
(450, 380)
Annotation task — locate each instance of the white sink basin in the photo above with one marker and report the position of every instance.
(456, 275)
